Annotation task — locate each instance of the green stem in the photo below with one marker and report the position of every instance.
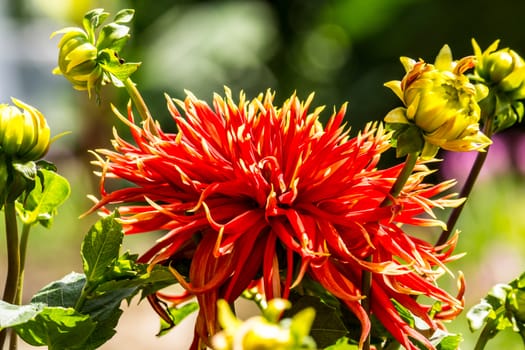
(23, 252)
(366, 278)
(488, 332)
(467, 187)
(13, 254)
(13, 339)
(13, 260)
(410, 163)
(137, 99)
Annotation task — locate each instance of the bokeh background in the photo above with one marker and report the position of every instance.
(343, 50)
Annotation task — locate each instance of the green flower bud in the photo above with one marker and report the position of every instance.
(503, 68)
(441, 103)
(89, 59)
(503, 73)
(24, 134)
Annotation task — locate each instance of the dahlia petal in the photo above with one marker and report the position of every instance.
(246, 189)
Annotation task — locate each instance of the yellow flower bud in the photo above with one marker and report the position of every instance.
(24, 134)
(264, 332)
(89, 57)
(441, 102)
(77, 60)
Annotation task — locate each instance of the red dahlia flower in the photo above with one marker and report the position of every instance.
(247, 190)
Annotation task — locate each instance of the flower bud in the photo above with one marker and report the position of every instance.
(24, 134)
(439, 101)
(264, 332)
(503, 67)
(503, 73)
(89, 57)
(77, 60)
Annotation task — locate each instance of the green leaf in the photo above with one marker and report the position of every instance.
(478, 315)
(92, 20)
(50, 191)
(405, 314)
(44, 164)
(148, 282)
(100, 248)
(13, 315)
(64, 292)
(409, 140)
(124, 16)
(117, 70)
(113, 36)
(28, 170)
(178, 314)
(57, 327)
(445, 341)
(105, 310)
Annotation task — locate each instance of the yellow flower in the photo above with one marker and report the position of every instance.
(24, 134)
(441, 103)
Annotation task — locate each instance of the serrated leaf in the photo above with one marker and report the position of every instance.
(101, 248)
(13, 315)
(57, 327)
(50, 191)
(64, 292)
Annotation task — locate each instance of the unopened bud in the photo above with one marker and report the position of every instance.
(89, 57)
(24, 133)
(77, 60)
(503, 73)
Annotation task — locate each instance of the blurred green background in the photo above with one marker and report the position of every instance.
(343, 50)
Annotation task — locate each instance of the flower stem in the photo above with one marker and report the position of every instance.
(366, 278)
(488, 332)
(13, 260)
(141, 106)
(467, 187)
(410, 163)
(13, 339)
(23, 249)
(137, 99)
